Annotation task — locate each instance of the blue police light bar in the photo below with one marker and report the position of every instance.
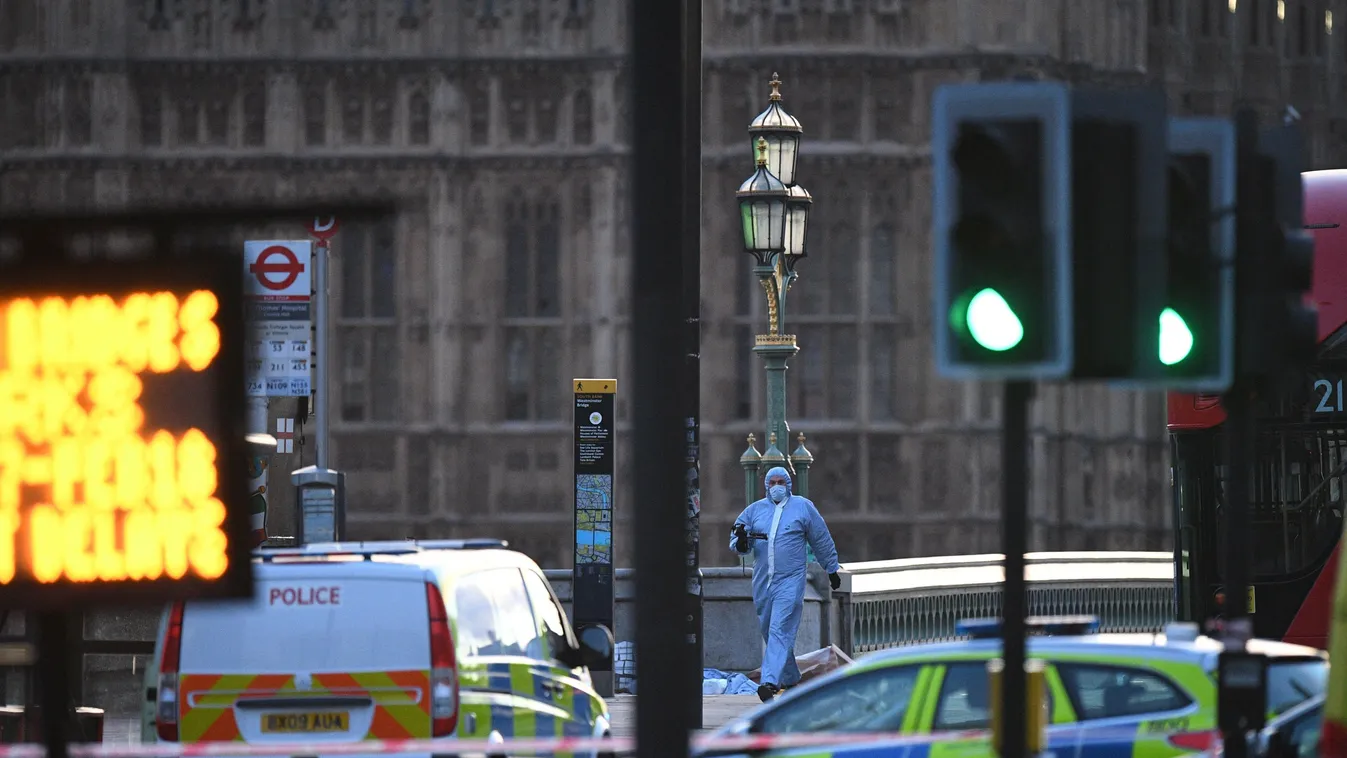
(372, 548)
(978, 629)
(334, 549)
(1048, 626)
(473, 543)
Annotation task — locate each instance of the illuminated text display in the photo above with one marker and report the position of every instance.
(111, 429)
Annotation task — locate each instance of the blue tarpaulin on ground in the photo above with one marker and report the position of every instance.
(717, 682)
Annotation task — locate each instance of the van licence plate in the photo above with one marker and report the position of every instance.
(298, 723)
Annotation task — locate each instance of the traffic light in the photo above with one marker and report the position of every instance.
(1196, 328)
(1290, 271)
(1275, 257)
(1001, 162)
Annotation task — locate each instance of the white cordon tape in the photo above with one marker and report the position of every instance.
(461, 747)
(546, 745)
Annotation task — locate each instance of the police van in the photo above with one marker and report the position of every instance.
(344, 642)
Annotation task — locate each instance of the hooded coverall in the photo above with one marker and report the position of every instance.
(779, 572)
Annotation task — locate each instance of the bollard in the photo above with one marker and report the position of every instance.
(89, 724)
(320, 505)
(1036, 718)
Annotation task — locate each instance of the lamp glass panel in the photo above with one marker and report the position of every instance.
(797, 225)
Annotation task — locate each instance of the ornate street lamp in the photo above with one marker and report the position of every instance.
(782, 132)
(774, 212)
(762, 210)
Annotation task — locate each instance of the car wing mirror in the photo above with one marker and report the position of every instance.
(566, 655)
(596, 646)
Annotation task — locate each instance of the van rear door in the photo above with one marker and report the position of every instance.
(324, 652)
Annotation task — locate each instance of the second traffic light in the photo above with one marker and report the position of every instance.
(1197, 325)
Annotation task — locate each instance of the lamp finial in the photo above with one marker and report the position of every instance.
(776, 87)
(762, 152)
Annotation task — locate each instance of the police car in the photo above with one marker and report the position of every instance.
(345, 642)
(1109, 695)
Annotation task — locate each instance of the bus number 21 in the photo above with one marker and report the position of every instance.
(1325, 400)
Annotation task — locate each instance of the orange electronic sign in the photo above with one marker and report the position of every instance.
(121, 433)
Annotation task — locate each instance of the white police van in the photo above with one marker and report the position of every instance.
(345, 642)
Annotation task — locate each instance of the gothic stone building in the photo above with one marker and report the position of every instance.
(502, 125)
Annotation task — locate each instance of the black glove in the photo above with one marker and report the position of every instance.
(834, 580)
(741, 538)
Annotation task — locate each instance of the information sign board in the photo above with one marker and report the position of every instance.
(278, 288)
(592, 582)
(122, 440)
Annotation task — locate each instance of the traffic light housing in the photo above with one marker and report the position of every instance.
(1279, 331)
(1118, 209)
(1196, 349)
(1002, 277)
(1291, 265)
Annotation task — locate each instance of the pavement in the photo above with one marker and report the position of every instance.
(717, 710)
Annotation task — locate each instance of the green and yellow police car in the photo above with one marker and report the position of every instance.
(1109, 695)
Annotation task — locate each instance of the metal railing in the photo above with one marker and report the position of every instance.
(884, 604)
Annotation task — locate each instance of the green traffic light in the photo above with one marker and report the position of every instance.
(1176, 339)
(992, 322)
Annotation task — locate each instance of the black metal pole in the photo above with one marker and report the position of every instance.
(658, 243)
(1237, 544)
(1250, 295)
(1015, 541)
(53, 670)
(692, 325)
(1238, 423)
(1236, 521)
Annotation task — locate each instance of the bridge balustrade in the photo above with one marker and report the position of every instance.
(909, 601)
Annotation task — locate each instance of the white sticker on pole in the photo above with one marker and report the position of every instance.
(278, 293)
(285, 435)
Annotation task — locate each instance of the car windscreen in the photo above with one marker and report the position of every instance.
(1293, 682)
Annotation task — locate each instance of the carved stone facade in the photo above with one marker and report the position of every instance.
(502, 126)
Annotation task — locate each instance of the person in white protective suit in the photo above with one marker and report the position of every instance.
(776, 529)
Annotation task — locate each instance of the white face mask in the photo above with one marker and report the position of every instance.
(777, 493)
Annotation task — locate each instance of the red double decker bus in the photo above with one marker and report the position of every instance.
(1298, 481)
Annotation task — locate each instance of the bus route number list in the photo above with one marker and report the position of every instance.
(90, 489)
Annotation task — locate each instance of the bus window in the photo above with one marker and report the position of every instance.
(1296, 521)
(1295, 492)
(1335, 456)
